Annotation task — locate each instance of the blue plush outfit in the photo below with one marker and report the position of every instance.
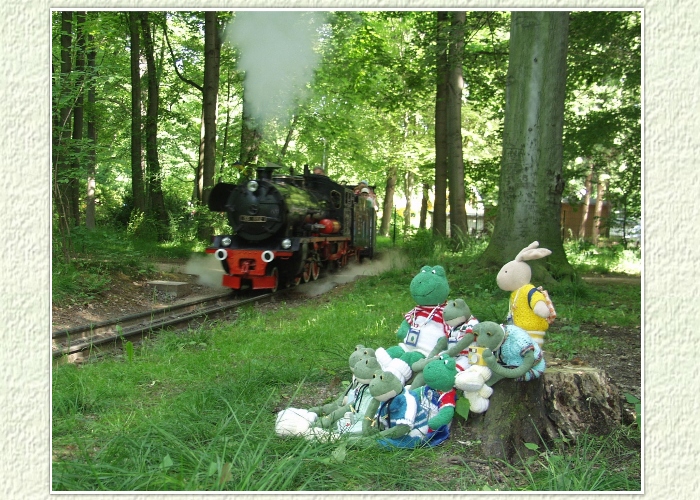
(516, 344)
(406, 408)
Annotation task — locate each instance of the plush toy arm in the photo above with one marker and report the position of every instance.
(541, 309)
(329, 407)
(443, 417)
(461, 345)
(502, 371)
(402, 331)
(395, 432)
(334, 416)
(440, 346)
(369, 424)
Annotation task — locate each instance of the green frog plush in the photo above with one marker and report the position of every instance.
(342, 415)
(423, 332)
(349, 408)
(509, 352)
(459, 318)
(399, 420)
(439, 395)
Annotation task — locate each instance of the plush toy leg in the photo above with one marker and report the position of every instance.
(397, 366)
(294, 421)
(537, 336)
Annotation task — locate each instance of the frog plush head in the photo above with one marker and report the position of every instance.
(365, 368)
(440, 373)
(384, 386)
(360, 352)
(456, 312)
(429, 287)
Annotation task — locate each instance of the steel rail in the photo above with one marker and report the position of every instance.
(73, 343)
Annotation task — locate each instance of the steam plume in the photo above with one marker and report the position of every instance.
(278, 57)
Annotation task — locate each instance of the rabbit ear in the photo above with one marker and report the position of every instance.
(522, 252)
(537, 253)
(531, 252)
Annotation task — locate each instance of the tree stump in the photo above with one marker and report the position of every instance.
(564, 402)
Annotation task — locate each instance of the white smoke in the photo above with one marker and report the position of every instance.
(277, 54)
(387, 261)
(207, 269)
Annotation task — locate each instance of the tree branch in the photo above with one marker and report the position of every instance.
(172, 54)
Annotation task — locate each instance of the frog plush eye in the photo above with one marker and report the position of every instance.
(447, 361)
(433, 271)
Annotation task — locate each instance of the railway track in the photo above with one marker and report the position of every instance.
(77, 343)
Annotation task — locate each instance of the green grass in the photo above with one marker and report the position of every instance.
(195, 411)
(102, 253)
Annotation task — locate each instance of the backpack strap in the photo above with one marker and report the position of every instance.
(529, 295)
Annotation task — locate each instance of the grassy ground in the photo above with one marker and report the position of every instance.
(195, 410)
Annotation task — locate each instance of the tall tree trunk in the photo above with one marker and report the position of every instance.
(602, 187)
(440, 205)
(199, 172)
(288, 139)
(455, 161)
(156, 203)
(531, 185)
(92, 137)
(138, 190)
(61, 132)
(78, 117)
(224, 146)
(212, 55)
(586, 203)
(387, 209)
(424, 206)
(250, 138)
(408, 188)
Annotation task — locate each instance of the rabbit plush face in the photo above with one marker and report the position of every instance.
(517, 273)
(513, 275)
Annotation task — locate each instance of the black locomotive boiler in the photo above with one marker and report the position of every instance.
(286, 228)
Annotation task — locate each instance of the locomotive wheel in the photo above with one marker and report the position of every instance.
(295, 280)
(315, 270)
(306, 273)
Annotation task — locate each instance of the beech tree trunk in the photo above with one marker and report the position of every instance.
(388, 205)
(455, 161)
(564, 401)
(156, 203)
(440, 207)
(586, 203)
(531, 183)
(212, 51)
(138, 190)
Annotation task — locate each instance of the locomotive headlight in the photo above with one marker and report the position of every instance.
(252, 186)
(225, 241)
(286, 243)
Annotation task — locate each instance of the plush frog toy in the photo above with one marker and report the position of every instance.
(399, 420)
(438, 396)
(341, 415)
(509, 352)
(423, 332)
(347, 411)
(458, 317)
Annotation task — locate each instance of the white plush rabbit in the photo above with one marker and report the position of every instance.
(528, 309)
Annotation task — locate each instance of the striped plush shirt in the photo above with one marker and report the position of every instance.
(426, 327)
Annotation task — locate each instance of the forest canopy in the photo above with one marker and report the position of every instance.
(152, 108)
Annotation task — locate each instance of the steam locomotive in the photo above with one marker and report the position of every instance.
(286, 228)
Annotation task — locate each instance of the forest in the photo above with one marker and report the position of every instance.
(436, 109)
